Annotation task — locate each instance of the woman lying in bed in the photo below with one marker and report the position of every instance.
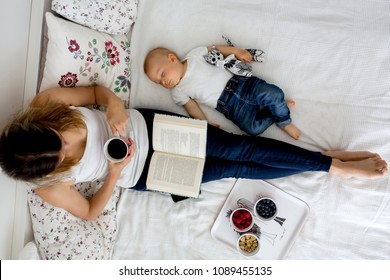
(55, 145)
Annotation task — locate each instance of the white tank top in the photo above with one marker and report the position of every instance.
(93, 165)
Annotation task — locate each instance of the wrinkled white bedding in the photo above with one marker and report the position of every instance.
(333, 59)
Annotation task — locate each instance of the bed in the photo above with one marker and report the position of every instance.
(331, 57)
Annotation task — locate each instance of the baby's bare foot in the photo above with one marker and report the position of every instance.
(369, 168)
(292, 130)
(290, 103)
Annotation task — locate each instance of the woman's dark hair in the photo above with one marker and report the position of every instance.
(29, 152)
(30, 146)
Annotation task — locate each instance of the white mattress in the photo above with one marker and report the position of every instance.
(333, 59)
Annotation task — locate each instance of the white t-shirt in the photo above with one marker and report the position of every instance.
(93, 165)
(202, 81)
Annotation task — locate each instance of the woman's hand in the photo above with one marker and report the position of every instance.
(116, 113)
(117, 167)
(117, 117)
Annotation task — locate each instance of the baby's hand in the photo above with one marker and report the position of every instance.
(214, 124)
(243, 55)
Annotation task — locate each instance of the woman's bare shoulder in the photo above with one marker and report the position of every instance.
(52, 188)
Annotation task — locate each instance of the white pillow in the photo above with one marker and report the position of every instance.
(29, 252)
(61, 236)
(79, 56)
(111, 16)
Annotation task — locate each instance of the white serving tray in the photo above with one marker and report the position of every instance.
(277, 235)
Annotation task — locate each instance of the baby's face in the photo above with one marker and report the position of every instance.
(166, 71)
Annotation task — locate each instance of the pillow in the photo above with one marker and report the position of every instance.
(29, 252)
(79, 56)
(111, 16)
(61, 236)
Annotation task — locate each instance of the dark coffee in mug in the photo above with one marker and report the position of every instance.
(117, 149)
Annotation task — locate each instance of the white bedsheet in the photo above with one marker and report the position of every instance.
(331, 57)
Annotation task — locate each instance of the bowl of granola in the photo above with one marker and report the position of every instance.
(248, 244)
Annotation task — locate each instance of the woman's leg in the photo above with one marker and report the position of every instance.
(263, 151)
(289, 158)
(216, 168)
(240, 156)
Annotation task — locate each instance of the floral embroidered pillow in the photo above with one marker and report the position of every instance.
(79, 56)
(61, 236)
(111, 16)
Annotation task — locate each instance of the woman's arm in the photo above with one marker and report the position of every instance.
(80, 96)
(65, 196)
(76, 96)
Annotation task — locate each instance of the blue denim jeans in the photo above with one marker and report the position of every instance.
(253, 104)
(230, 155)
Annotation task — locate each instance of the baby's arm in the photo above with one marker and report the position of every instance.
(193, 109)
(240, 54)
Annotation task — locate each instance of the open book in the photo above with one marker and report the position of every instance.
(177, 163)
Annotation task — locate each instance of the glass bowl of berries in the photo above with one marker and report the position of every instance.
(241, 219)
(265, 208)
(248, 244)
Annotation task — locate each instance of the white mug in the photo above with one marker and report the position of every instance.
(116, 148)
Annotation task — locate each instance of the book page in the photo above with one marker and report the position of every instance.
(175, 174)
(179, 135)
